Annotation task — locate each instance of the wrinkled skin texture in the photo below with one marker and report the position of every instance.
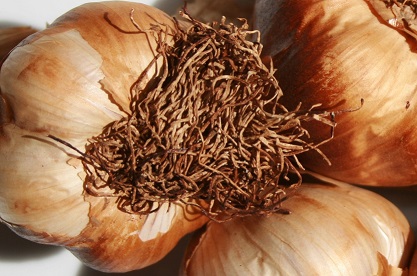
(69, 81)
(336, 53)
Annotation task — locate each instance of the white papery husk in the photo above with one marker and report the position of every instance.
(70, 81)
(332, 230)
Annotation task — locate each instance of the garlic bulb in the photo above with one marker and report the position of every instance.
(121, 117)
(332, 230)
(69, 81)
(337, 53)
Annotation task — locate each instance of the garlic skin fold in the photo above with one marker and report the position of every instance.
(332, 230)
(70, 80)
(336, 53)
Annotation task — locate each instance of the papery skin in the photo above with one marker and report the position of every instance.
(336, 53)
(69, 81)
(332, 230)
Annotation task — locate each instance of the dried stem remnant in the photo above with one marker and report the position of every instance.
(212, 131)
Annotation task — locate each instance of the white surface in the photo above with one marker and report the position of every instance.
(35, 13)
(38, 13)
(19, 257)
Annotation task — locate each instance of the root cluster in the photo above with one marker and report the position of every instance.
(210, 132)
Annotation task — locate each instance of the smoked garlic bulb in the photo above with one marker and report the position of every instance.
(69, 81)
(331, 230)
(338, 53)
(119, 118)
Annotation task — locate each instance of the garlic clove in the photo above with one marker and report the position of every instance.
(94, 60)
(81, 103)
(337, 53)
(137, 241)
(332, 230)
(40, 194)
(125, 50)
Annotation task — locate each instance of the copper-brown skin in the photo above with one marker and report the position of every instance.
(337, 53)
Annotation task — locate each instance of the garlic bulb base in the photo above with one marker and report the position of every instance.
(210, 129)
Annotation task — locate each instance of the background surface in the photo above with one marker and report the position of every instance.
(19, 257)
(37, 13)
